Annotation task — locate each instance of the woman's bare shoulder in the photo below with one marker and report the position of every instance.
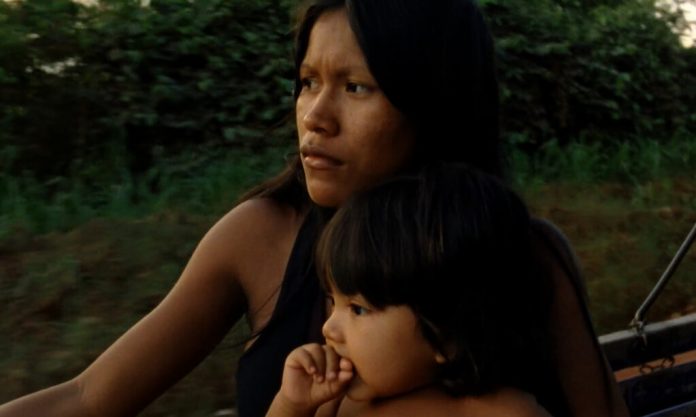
(254, 223)
(251, 232)
(259, 216)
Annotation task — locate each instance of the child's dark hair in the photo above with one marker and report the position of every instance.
(455, 246)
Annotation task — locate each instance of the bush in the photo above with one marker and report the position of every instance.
(101, 89)
(104, 93)
(595, 72)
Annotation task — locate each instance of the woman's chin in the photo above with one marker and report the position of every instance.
(325, 198)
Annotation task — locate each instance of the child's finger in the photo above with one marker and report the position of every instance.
(346, 371)
(332, 363)
(301, 358)
(345, 364)
(318, 356)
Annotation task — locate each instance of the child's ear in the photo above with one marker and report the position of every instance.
(445, 354)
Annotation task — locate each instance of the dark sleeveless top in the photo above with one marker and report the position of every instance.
(296, 320)
(300, 313)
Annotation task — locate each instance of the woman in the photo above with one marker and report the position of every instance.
(372, 78)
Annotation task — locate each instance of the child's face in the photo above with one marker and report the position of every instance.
(388, 351)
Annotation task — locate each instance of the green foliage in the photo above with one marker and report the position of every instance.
(592, 72)
(99, 92)
(94, 91)
(193, 183)
(632, 162)
(105, 107)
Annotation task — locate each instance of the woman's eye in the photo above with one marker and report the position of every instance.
(308, 83)
(356, 88)
(358, 310)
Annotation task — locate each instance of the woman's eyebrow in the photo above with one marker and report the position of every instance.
(339, 71)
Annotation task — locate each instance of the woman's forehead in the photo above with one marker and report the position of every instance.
(332, 41)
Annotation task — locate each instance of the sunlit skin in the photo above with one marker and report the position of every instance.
(376, 363)
(370, 354)
(389, 354)
(350, 135)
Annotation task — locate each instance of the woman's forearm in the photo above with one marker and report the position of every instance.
(62, 400)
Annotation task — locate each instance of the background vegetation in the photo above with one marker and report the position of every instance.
(125, 131)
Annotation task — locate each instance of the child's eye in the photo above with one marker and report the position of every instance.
(356, 88)
(358, 310)
(330, 299)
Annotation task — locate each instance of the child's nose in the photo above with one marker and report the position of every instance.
(332, 329)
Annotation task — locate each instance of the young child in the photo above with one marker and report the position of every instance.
(438, 307)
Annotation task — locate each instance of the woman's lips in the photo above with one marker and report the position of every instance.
(319, 160)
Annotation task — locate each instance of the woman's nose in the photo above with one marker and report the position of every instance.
(332, 329)
(321, 114)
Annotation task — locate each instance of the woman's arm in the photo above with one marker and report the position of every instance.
(589, 384)
(587, 380)
(60, 400)
(209, 297)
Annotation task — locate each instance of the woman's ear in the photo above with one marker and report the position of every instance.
(440, 358)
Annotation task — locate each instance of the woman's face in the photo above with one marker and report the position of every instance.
(350, 135)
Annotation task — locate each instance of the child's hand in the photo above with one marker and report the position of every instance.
(313, 375)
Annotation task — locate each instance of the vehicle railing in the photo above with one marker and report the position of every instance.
(655, 363)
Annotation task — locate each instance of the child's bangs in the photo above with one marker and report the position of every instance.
(364, 250)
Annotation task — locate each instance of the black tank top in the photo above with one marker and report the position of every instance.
(296, 320)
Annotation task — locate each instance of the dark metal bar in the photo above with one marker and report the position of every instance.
(625, 349)
(639, 317)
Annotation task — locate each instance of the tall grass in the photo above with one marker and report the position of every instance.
(190, 183)
(209, 184)
(632, 162)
